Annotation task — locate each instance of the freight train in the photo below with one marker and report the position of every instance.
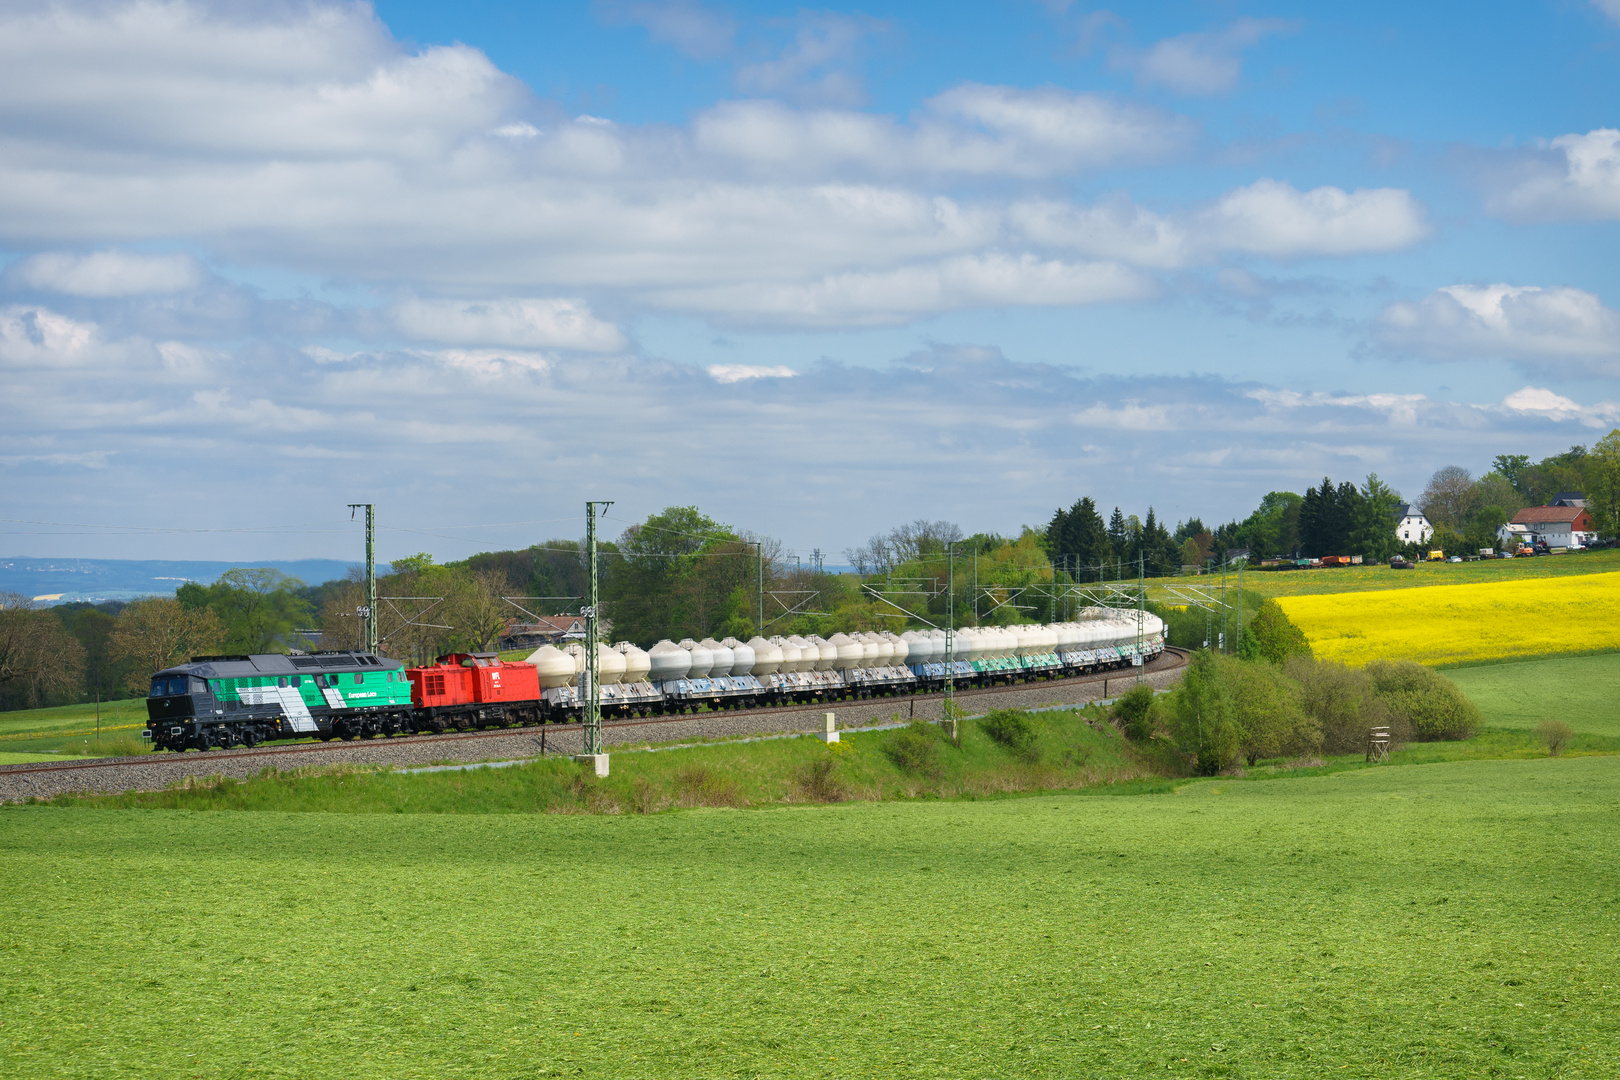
(219, 702)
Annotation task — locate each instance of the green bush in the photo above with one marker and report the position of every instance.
(1345, 705)
(1134, 710)
(1008, 727)
(915, 749)
(1431, 703)
(1556, 734)
(699, 785)
(818, 780)
(1271, 712)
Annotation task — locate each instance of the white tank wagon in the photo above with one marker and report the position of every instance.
(878, 672)
(730, 674)
(718, 674)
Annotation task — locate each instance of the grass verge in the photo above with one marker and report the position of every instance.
(1066, 750)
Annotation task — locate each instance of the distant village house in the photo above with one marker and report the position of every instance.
(1412, 525)
(550, 630)
(1563, 523)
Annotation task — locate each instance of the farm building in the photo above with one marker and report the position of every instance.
(549, 629)
(1411, 525)
(1510, 536)
(1559, 526)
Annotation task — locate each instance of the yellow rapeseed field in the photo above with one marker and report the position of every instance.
(1455, 624)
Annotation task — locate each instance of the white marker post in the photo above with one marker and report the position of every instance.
(831, 734)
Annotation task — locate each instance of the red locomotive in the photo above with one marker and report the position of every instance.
(467, 690)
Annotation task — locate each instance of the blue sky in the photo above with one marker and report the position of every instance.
(818, 271)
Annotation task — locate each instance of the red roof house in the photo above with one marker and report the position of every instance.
(1559, 526)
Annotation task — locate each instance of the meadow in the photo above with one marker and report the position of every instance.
(1380, 578)
(1462, 624)
(70, 729)
(1582, 691)
(1442, 920)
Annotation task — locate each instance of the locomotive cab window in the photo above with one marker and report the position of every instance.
(175, 686)
(359, 678)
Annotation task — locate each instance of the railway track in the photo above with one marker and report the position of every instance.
(1170, 660)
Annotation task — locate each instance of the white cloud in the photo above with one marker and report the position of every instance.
(896, 296)
(1539, 401)
(39, 337)
(1611, 8)
(303, 139)
(1113, 229)
(730, 373)
(1127, 416)
(1008, 434)
(1564, 328)
(1267, 218)
(531, 324)
(1087, 130)
(1201, 63)
(1272, 218)
(816, 66)
(691, 28)
(296, 81)
(488, 363)
(106, 273)
(1401, 409)
(1577, 178)
(973, 129)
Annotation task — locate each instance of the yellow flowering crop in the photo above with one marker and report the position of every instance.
(1451, 624)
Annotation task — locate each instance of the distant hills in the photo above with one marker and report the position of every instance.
(61, 581)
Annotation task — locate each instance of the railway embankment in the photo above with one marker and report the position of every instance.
(155, 772)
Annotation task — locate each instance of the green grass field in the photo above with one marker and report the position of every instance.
(1444, 920)
(70, 728)
(1377, 578)
(1583, 691)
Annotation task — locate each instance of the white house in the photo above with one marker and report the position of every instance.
(1513, 534)
(1411, 526)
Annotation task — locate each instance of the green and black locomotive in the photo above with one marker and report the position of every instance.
(216, 702)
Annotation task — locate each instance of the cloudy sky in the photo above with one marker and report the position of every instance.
(817, 271)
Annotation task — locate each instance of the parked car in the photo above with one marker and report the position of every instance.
(1455, 558)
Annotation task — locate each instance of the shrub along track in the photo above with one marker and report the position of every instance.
(157, 771)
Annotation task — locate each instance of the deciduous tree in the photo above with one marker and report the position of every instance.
(159, 632)
(38, 657)
(1448, 499)
(1203, 717)
(1603, 484)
